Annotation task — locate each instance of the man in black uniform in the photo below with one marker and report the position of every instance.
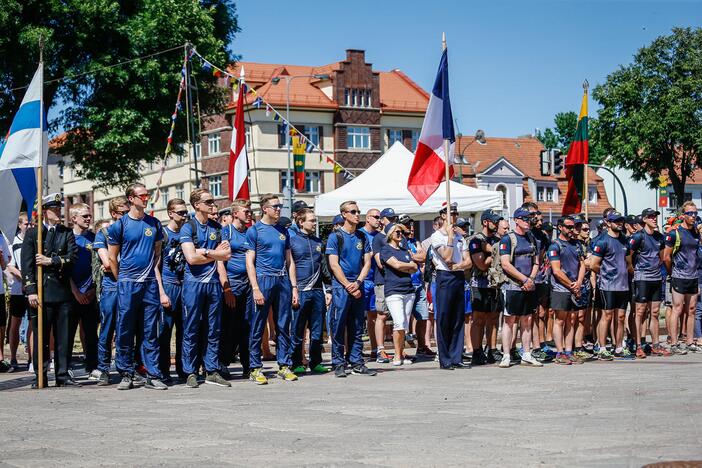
(59, 255)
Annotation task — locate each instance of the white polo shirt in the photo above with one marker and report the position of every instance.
(439, 239)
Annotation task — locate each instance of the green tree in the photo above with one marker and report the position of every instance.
(650, 119)
(561, 135)
(119, 116)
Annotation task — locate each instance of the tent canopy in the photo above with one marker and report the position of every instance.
(384, 184)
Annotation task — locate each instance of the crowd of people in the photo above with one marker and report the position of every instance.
(228, 286)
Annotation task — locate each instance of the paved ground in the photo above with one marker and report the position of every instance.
(597, 414)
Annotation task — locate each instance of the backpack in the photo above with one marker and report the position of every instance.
(326, 270)
(176, 261)
(474, 270)
(193, 229)
(96, 266)
(429, 267)
(496, 275)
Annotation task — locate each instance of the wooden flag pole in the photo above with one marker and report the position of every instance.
(446, 162)
(40, 234)
(586, 192)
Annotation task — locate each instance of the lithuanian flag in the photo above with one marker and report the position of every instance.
(299, 163)
(576, 164)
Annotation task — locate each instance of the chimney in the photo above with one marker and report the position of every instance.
(355, 54)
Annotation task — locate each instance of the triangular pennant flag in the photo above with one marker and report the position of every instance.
(310, 147)
(337, 168)
(258, 102)
(268, 110)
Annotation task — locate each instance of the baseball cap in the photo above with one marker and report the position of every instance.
(615, 216)
(285, 222)
(224, 211)
(648, 212)
(454, 208)
(547, 226)
(404, 219)
(387, 213)
(53, 200)
(338, 219)
(299, 205)
(521, 213)
(462, 223)
(489, 215)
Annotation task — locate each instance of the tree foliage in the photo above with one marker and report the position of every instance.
(561, 135)
(651, 115)
(119, 116)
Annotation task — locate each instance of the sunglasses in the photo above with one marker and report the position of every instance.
(86, 216)
(181, 213)
(398, 233)
(353, 212)
(277, 206)
(143, 197)
(209, 202)
(246, 211)
(122, 213)
(585, 229)
(690, 213)
(374, 216)
(569, 227)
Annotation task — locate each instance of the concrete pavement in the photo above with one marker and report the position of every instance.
(597, 414)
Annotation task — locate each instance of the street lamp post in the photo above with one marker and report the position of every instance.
(480, 138)
(288, 80)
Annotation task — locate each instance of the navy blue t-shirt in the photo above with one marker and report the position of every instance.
(352, 253)
(524, 256)
(108, 279)
(568, 253)
(270, 242)
(137, 239)
(208, 236)
(686, 259)
(613, 251)
(370, 237)
(236, 265)
(307, 254)
(82, 271)
(379, 241)
(475, 246)
(169, 273)
(647, 260)
(396, 282)
(542, 243)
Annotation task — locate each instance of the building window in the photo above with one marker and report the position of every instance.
(213, 141)
(180, 157)
(415, 139)
(393, 136)
(312, 181)
(101, 210)
(358, 137)
(198, 149)
(312, 134)
(163, 191)
(592, 196)
(540, 194)
(347, 97)
(180, 191)
(551, 194)
(249, 137)
(215, 183)
(503, 189)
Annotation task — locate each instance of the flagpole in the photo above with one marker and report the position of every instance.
(586, 194)
(40, 230)
(446, 161)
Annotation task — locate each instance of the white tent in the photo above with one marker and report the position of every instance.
(384, 184)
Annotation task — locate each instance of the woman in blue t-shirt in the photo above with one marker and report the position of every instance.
(399, 290)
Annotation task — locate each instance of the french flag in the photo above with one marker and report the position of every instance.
(238, 160)
(428, 168)
(23, 150)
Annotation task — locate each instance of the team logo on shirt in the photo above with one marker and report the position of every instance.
(148, 232)
(359, 245)
(503, 246)
(89, 246)
(213, 236)
(554, 253)
(597, 249)
(281, 237)
(318, 248)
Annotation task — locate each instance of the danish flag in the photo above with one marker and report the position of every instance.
(238, 160)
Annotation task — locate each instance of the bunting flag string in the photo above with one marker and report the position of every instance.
(259, 102)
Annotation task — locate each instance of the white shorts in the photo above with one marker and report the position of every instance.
(400, 307)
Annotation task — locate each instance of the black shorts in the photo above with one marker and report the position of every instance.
(614, 299)
(561, 300)
(684, 286)
(18, 305)
(543, 293)
(520, 303)
(646, 291)
(3, 317)
(486, 300)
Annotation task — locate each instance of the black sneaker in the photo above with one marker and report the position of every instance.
(494, 356)
(103, 379)
(462, 365)
(224, 372)
(361, 369)
(479, 358)
(155, 384)
(515, 357)
(339, 371)
(126, 383)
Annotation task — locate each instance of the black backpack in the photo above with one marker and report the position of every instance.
(326, 270)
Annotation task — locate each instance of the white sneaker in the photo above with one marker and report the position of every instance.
(31, 367)
(51, 365)
(407, 361)
(504, 363)
(529, 360)
(396, 363)
(94, 375)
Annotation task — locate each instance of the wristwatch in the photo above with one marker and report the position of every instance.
(207, 253)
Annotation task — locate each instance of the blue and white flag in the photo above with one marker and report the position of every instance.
(23, 150)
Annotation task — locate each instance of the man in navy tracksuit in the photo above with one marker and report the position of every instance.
(237, 291)
(349, 261)
(136, 239)
(170, 277)
(268, 253)
(308, 304)
(202, 244)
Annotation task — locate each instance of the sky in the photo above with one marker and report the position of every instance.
(512, 64)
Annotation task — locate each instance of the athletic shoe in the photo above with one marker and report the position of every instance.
(657, 350)
(339, 371)
(214, 378)
(191, 382)
(562, 358)
(361, 369)
(425, 351)
(319, 369)
(4, 366)
(300, 370)
(224, 372)
(396, 363)
(257, 376)
(542, 356)
(624, 355)
(504, 362)
(155, 384)
(94, 375)
(286, 374)
(138, 381)
(583, 356)
(30, 367)
(640, 353)
(604, 355)
(126, 383)
(382, 358)
(694, 348)
(406, 360)
(104, 379)
(529, 360)
(374, 354)
(467, 356)
(576, 359)
(494, 355)
(647, 349)
(515, 356)
(479, 358)
(679, 349)
(462, 365)
(410, 338)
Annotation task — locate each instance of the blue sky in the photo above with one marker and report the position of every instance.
(512, 64)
